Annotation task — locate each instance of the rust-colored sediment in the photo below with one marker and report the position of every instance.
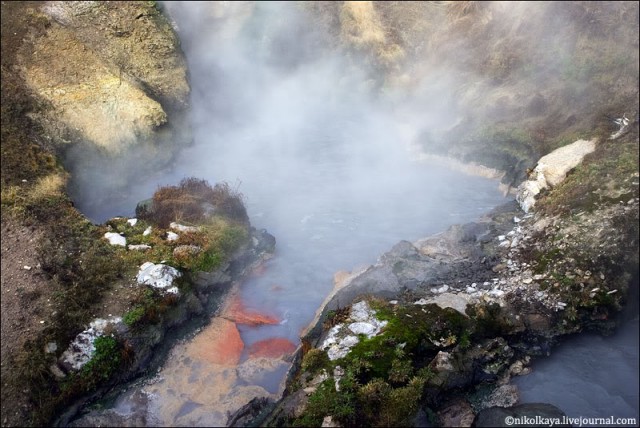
(219, 343)
(237, 312)
(271, 348)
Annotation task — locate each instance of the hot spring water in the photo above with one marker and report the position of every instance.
(326, 169)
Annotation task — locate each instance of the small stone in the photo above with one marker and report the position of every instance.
(516, 220)
(56, 371)
(138, 247)
(527, 281)
(116, 239)
(27, 267)
(362, 328)
(329, 422)
(132, 221)
(182, 228)
(496, 293)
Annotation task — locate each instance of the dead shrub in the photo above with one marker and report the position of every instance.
(192, 201)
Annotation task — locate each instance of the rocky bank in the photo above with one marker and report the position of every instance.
(470, 307)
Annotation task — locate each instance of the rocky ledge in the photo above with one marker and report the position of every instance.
(460, 313)
(190, 310)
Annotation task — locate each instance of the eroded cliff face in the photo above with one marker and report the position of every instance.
(109, 74)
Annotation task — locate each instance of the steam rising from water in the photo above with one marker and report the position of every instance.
(275, 85)
(318, 144)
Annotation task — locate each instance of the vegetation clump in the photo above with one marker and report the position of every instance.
(192, 201)
(384, 377)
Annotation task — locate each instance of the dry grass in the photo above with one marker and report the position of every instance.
(362, 28)
(48, 186)
(458, 9)
(361, 25)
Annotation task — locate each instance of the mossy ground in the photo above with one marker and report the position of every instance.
(385, 376)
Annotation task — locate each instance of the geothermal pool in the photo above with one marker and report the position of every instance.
(324, 166)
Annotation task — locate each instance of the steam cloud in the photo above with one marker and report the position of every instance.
(282, 91)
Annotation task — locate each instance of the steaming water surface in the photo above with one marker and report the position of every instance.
(588, 376)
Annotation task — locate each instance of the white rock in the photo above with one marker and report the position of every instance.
(82, 348)
(393, 302)
(138, 247)
(147, 231)
(361, 311)
(496, 293)
(335, 352)
(551, 170)
(172, 236)
(501, 238)
(182, 228)
(458, 302)
(338, 372)
(116, 239)
(157, 275)
(349, 341)
(516, 219)
(132, 221)
(527, 281)
(439, 290)
(328, 422)
(362, 328)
